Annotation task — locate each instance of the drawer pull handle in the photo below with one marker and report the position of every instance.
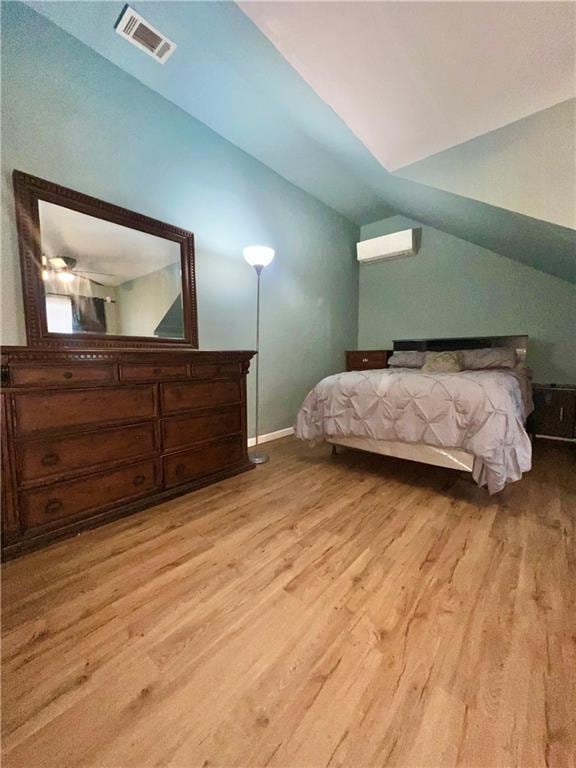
(54, 505)
(49, 460)
(139, 479)
(364, 359)
(68, 374)
(561, 413)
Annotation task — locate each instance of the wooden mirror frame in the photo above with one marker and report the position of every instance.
(28, 190)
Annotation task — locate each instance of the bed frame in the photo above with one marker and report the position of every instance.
(453, 458)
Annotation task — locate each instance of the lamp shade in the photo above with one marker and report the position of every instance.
(258, 255)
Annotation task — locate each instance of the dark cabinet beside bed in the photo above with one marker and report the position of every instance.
(554, 411)
(367, 360)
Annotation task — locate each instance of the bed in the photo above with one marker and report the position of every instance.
(470, 420)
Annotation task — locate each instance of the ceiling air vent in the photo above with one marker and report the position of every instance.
(142, 34)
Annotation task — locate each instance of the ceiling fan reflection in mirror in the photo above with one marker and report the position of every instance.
(64, 269)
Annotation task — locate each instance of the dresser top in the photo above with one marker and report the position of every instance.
(38, 354)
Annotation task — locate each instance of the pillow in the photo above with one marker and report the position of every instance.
(443, 362)
(408, 359)
(495, 357)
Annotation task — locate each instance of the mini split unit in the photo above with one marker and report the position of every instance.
(398, 245)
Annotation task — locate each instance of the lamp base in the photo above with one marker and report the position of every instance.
(259, 458)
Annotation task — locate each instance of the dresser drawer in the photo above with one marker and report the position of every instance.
(75, 499)
(365, 361)
(152, 372)
(184, 396)
(180, 431)
(82, 407)
(192, 465)
(46, 375)
(213, 370)
(43, 458)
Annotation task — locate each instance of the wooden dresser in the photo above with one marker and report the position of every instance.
(90, 435)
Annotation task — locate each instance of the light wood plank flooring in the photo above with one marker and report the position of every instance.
(319, 611)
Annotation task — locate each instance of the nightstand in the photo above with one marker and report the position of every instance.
(367, 360)
(554, 411)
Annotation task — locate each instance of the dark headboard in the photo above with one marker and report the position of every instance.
(519, 343)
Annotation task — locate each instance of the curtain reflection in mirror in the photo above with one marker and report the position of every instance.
(119, 281)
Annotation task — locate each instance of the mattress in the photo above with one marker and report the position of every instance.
(480, 412)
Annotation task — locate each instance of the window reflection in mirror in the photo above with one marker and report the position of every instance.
(104, 278)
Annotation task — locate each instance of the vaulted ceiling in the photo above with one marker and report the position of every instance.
(414, 78)
(336, 95)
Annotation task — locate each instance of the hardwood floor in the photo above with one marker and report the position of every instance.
(320, 611)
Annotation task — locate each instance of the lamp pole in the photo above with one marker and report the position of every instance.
(258, 256)
(257, 457)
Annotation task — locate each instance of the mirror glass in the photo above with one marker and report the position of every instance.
(104, 278)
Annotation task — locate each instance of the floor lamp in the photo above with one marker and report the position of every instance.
(258, 256)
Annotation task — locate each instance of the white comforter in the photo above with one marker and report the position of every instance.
(482, 412)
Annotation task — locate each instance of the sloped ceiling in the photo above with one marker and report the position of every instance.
(229, 75)
(411, 79)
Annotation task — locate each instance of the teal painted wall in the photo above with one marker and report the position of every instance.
(227, 74)
(74, 118)
(455, 288)
(528, 166)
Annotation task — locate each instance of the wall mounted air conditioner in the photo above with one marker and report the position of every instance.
(143, 35)
(398, 245)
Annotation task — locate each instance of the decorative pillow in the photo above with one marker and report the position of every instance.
(407, 359)
(443, 362)
(494, 357)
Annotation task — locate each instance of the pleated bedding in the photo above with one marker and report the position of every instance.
(482, 412)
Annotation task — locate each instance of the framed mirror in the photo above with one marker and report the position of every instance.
(97, 275)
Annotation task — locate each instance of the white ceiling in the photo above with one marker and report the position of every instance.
(107, 252)
(414, 78)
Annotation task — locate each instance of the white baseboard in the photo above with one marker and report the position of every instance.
(271, 436)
